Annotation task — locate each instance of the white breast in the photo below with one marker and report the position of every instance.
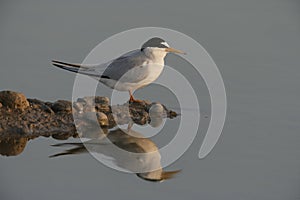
(153, 71)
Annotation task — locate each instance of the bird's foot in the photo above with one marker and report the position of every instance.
(133, 100)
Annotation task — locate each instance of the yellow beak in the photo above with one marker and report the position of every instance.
(172, 50)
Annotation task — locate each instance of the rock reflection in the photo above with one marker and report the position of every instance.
(12, 146)
(129, 150)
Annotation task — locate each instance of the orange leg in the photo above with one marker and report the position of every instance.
(132, 99)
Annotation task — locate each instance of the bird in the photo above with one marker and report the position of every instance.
(129, 72)
(129, 150)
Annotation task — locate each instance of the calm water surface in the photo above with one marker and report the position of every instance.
(256, 46)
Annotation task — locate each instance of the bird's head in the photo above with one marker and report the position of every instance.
(158, 47)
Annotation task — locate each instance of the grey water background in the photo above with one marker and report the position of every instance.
(256, 46)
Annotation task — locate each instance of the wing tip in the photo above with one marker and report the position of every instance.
(57, 62)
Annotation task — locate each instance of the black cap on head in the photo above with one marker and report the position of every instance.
(155, 42)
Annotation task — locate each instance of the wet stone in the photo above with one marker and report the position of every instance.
(47, 109)
(102, 100)
(171, 114)
(102, 119)
(62, 106)
(156, 109)
(103, 108)
(87, 100)
(89, 108)
(78, 106)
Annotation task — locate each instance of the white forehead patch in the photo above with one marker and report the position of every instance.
(165, 43)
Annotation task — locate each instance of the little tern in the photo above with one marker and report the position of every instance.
(130, 71)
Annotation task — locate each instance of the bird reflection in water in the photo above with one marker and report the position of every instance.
(129, 150)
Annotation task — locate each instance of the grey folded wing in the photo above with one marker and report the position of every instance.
(126, 68)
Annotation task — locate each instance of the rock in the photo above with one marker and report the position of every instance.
(102, 100)
(78, 106)
(13, 100)
(156, 114)
(103, 108)
(102, 119)
(92, 118)
(57, 119)
(36, 101)
(62, 106)
(156, 110)
(47, 109)
(61, 136)
(89, 108)
(87, 118)
(171, 114)
(90, 100)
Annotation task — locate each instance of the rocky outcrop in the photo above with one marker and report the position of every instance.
(30, 118)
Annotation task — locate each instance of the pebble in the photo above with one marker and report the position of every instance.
(78, 106)
(102, 100)
(89, 108)
(102, 119)
(87, 100)
(47, 109)
(156, 110)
